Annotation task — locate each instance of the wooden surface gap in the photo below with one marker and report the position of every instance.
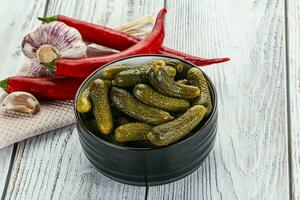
(288, 100)
(12, 160)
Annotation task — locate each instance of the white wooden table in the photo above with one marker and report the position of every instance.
(257, 152)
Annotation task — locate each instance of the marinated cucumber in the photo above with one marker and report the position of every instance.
(131, 77)
(99, 95)
(108, 83)
(111, 71)
(132, 132)
(126, 102)
(183, 81)
(170, 71)
(173, 131)
(159, 62)
(176, 65)
(170, 64)
(164, 84)
(83, 104)
(149, 96)
(196, 78)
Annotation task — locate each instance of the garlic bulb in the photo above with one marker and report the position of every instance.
(50, 42)
(28, 68)
(23, 102)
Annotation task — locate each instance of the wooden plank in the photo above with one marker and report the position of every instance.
(52, 165)
(250, 157)
(293, 32)
(5, 157)
(16, 21)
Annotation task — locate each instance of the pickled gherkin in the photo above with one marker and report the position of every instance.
(164, 84)
(183, 81)
(99, 95)
(126, 102)
(179, 66)
(83, 103)
(132, 132)
(131, 77)
(111, 71)
(196, 78)
(175, 130)
(149, 96)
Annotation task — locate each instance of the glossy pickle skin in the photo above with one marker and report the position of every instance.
(165, 84)
(179, 66)
(183, 81)
(83, 104)
(175, 130)
(149, 96)
(196, 78)
(111, 71)
(99, 95)
(136, 75)
(132, 132)
(131, 77)
(127, 103)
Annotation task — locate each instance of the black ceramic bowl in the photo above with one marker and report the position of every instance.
(148, 166)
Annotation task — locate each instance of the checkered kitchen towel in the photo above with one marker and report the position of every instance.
(15, 127)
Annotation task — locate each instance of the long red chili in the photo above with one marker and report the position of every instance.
(118, 40)
(53, 88)
(83, 67)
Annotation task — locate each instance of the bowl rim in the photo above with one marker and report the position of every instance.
(79, 122)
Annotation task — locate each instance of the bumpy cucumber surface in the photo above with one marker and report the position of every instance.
(111, 71)
(179, 66)
(83, 104)
(183, 81)
(149, 96)
(196, 78)
(126, 102)
(132, 132)
(99, 95)
(173, 131)
(131, 77)
(164, 84)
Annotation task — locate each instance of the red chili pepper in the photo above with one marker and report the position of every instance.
(118, 40)
(43, 87)
(83, 67)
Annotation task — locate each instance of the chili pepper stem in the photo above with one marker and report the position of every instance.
(50, 66)
(4, 84)
(48, 19)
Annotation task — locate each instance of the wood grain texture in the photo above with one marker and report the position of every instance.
(17, 20)
(53, 165)
(293, 31)
(250, 157)
(5, 157)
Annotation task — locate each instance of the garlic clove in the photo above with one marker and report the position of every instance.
(23, 102)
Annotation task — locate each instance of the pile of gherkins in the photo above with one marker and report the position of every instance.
(160, 102)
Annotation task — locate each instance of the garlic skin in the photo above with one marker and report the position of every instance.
(52, 41)
(28, 68)
(23, 102)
